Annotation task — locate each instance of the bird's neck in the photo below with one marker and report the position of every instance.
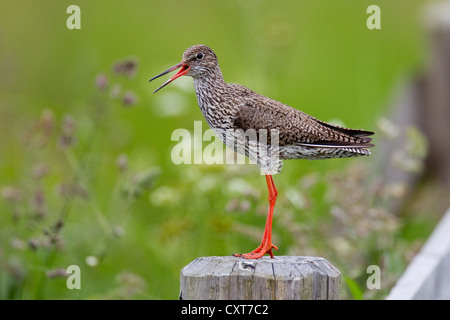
(211, 92)
(209, 89)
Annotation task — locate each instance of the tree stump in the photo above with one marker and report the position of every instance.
(281, 278)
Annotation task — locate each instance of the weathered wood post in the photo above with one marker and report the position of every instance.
(281, 278)
(435, 111)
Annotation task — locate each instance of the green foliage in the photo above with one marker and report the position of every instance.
(355, 290)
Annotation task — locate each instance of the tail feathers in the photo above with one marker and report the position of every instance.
(338, 144)
(328, 150)
(361, 135)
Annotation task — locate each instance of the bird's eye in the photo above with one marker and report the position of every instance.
(200, 56)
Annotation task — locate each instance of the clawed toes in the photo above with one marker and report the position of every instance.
(258, 252)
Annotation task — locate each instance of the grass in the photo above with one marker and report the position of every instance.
(85, 165)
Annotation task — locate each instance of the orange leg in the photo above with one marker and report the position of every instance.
(266, 243)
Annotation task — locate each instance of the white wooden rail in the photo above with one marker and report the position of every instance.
(428, 274)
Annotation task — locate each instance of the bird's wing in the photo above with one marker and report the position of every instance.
(296, 127)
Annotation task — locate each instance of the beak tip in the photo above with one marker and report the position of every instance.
(181, 72)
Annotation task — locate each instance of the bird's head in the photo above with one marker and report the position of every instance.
(197, 61)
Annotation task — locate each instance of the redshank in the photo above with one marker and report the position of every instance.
(231, 110)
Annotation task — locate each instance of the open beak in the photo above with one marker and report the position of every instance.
(184, 69)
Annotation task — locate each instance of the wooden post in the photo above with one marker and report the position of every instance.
(284, 277)
(436, 110)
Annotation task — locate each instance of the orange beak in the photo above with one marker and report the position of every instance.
(184, 69)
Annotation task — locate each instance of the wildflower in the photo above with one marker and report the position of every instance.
(122, 162)
(126, 68)
(39, 133)
(101, 82)
(40, 170)
(33, 244)
(164, 196)
(115, 91)
(68, 127)
(71, 190)
(129, 99)
(11, 194)
(17, 243)
(388, 128)
(38, 204)
(91, 261)
(56, 273)
(141, 182)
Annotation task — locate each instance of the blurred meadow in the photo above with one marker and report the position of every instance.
(86, 175)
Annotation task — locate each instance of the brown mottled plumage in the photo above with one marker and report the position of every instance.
(232, 110)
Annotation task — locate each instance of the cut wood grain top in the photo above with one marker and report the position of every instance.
(285, 277)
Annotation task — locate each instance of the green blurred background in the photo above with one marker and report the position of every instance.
(87, 177)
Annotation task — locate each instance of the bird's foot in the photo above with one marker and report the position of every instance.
(258, 252)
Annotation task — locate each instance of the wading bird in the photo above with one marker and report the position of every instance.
(232, 109)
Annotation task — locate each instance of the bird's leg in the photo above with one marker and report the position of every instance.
(266, 243)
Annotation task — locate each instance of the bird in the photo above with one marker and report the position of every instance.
(232, 111)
